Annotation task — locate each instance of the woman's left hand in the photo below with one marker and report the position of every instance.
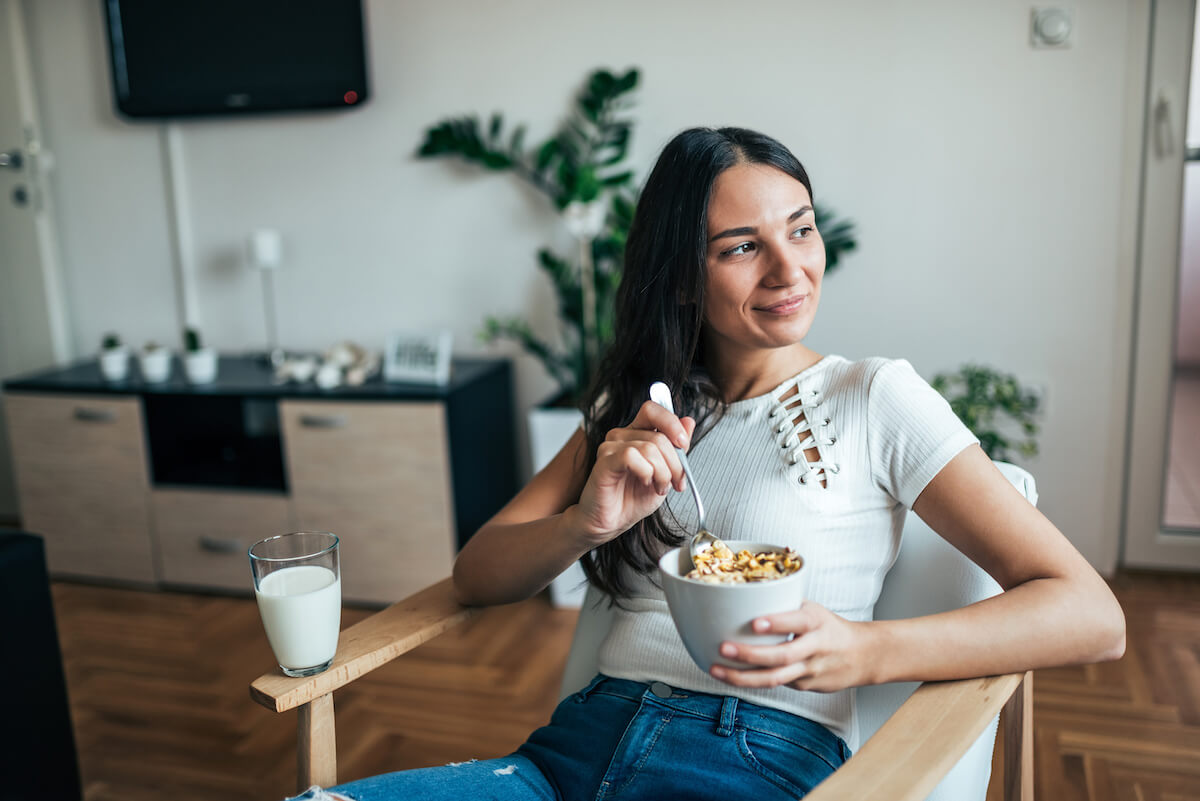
(828, 653)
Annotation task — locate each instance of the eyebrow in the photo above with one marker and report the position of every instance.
(795, 215)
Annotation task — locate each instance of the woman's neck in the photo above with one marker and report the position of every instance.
(749, 374)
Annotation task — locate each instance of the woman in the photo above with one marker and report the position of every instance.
(722, 280)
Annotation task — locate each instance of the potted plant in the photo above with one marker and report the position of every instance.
(581, 169)
(155, 363)
(114, 358)
(979, 395)
(199, 362)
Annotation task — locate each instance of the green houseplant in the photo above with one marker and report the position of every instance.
(582, 170)
(997, 409)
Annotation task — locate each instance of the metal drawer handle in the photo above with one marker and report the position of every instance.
(323, 421)
(214, 545)
(95, 415)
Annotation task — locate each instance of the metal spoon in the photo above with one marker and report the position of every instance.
(703, 539)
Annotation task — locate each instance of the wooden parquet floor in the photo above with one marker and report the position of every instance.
(1128, 730)
(158, 685)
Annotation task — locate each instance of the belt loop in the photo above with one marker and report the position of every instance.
(728, 713)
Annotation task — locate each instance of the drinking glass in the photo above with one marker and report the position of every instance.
(299, 589)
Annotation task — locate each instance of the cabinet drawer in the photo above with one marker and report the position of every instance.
(377, 475)
(203, 535)
(80, 465)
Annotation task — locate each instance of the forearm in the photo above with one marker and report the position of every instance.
(509, 562)
(1041, 623)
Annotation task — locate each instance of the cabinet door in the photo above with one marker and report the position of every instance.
(80, 465)
(377, 475)
(203, 535)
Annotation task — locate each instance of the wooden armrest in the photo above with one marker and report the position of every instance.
(368, 644)
(921, 742)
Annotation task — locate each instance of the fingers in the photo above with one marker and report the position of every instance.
(652, 417)
(769, 665)
(655, 434)
(645, 460)
(794, 674)
(774, 665)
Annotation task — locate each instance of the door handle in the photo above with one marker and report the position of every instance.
(217, 545)
(1164, 138)
(87, 415)
(12, 159)
(323, 420)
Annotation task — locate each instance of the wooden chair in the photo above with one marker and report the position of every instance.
(921, 733)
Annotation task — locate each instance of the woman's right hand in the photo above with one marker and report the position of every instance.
(635, 466)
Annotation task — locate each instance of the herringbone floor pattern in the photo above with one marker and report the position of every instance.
(158, 685)
(1128, 730)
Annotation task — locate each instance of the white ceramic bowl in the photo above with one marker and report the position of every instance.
(708, 614)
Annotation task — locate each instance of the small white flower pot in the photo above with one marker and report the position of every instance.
(155, 365)
(201, 365)
(114, 364)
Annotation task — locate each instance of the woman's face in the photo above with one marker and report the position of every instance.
(765, 260)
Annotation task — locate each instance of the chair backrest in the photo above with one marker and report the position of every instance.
(908, 591)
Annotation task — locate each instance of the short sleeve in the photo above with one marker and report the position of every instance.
(912, 433)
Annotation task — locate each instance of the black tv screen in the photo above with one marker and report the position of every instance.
(174, 58)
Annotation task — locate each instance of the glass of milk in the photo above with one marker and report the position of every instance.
(299, 590)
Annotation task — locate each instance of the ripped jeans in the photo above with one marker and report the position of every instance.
(619, 739)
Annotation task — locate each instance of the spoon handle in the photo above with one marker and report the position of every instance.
(687, 471)
(660, 393)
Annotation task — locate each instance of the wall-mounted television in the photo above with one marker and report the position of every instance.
(174, 58)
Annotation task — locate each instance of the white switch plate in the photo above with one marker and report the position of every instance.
(1051, 27)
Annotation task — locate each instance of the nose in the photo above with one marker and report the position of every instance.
(786, 265)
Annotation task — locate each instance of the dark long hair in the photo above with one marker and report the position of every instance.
(659, 317)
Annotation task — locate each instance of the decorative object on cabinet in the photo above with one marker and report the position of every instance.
(354, 363)
(114, 358)
(418, 357)
(344, 363)
(199, 362)
(297, 368)
(167, 484)
(154, 361)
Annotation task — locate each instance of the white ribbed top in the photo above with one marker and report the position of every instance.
(881, 432)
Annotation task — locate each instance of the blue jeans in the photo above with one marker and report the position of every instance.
(619, 739)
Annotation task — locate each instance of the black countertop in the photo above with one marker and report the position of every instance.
(242, 376)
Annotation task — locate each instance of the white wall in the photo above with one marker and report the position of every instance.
(984, 176)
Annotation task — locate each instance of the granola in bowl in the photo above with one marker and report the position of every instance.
(720, 565)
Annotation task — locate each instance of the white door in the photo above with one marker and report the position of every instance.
(1148, 542)
(32, 326)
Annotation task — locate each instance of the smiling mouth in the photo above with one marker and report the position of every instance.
(786, 306)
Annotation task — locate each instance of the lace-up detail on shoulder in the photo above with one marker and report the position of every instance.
(802, 433)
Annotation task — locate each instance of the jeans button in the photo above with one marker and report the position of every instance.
(660, 689)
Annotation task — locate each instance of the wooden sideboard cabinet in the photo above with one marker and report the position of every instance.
(374, 497)
(170, 484)
(82, 481)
